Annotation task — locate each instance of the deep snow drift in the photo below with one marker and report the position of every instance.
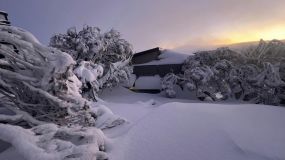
(159, 129)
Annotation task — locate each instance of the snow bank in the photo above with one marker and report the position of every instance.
(106, 118)
(200, 131)
(25, 35)
(50, 142)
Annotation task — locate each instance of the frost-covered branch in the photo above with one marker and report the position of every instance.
(221, 74)
(50, 142)
(103, 59)
(38, 82)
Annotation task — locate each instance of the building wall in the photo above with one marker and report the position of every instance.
(161, 70)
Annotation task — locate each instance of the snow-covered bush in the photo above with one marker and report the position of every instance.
(37, 82)
(259, 85)
(207, 73)
(43, 114)
(267, 51)
(90, 47)
(168, 83)
(223, 73)
(272, 51)
(50, 142)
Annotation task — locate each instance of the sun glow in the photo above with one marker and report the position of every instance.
(227, 37)
(268, 33)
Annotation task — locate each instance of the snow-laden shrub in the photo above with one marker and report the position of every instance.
(107, 50)
(38, 83)
(267, 51)
(223, 73)
(207, 73)
(167, 84)
(50, 142)
(272, 52)
(43, 114)
(263, 86)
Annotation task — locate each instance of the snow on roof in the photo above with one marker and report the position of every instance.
(168, 57)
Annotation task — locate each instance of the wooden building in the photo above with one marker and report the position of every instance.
(147, 63)
(152, 65)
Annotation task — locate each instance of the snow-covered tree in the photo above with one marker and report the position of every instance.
(207, 73)
(43, 113)
(272, 50)
(223, 73)
(89, 47)
(90, 44)
(38, 81)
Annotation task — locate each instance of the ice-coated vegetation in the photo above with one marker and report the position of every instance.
(46, 95)
(50, 142)
(89, 48)
(256, 75)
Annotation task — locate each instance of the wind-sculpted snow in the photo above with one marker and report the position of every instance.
(106, 118)
(194, 130)
(205, 131)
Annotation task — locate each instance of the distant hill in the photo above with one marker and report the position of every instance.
(244, 45)
(188, 49)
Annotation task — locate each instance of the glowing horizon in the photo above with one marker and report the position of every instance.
(274, 32)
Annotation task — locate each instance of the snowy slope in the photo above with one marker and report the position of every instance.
(158, 129)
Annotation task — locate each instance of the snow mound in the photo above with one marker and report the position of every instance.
(88, 72)
(203, 131)
(106, 118)
(25, 35)
(50, 142)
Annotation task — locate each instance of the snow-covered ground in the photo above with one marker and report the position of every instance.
(161, 128)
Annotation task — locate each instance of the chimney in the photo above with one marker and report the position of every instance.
(4, 18)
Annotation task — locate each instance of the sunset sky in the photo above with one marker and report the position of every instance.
(151, 23)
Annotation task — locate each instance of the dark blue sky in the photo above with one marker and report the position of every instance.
(151, 23)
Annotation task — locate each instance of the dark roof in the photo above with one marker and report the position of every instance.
(147, 51)
(146, 56)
